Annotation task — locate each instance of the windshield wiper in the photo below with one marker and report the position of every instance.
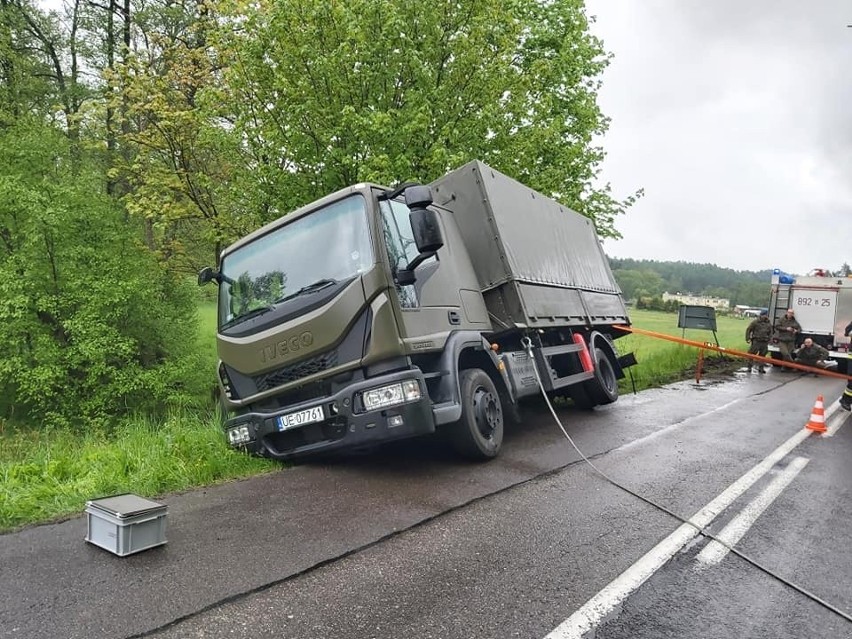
(260, 310)
(310, 288)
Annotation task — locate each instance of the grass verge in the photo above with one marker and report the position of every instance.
(51, 473)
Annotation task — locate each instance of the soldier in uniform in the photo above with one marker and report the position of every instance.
(786, 330)
(757, 334)
(846, 399)
(811, 354)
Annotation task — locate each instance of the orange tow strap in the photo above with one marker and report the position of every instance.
(730, 351)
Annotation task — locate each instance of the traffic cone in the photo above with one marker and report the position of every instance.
(817, 420)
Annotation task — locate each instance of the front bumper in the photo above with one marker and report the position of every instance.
(347, 428)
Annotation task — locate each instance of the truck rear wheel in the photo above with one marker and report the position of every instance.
(603, 387)
(479, 432)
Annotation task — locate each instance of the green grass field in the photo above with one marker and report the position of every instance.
(44, 474)
(661, 361)
(207, 332)
(47, 473)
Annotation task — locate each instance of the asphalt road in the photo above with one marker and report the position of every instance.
(412, 542)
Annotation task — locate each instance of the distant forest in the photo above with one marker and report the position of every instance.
(646, 279)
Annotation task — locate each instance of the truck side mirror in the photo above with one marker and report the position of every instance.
(418, 196)
(424, 221)
(427, 230)
(206, 275)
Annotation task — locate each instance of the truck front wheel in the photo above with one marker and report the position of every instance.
(479, 432)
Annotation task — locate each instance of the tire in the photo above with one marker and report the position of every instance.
(603, 388)
(479, 432)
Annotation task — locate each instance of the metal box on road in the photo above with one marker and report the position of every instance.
(125, 524)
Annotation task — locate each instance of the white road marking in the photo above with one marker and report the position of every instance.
(668, 429)
(590, 614)
(835, 426)
(714, 552)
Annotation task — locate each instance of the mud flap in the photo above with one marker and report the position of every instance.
(626, 361)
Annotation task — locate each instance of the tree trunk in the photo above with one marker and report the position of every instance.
(110, 112)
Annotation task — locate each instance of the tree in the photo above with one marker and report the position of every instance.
(326, 94)
(188, 179)
(635, 284)
(53, 52)
(91, 326)
(646, 278)
(21, 83)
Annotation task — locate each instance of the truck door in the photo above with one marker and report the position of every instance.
(432, 306)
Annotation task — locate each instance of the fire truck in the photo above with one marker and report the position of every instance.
(823, 306)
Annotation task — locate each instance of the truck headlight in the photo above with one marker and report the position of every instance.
(239, 435)
(391, 394)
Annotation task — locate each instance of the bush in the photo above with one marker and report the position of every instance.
(91, 326)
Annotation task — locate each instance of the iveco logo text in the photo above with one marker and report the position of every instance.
(285, 346)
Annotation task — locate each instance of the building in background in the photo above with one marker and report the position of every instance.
(719, 303)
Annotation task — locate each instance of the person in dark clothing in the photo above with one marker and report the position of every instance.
(810, 354)
(846, 398)
(757, 334)
(786, 330)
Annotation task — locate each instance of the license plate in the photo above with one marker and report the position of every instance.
(294, 420)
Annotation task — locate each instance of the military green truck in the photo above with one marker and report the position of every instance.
(376, 314)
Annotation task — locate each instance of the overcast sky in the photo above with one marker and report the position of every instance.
(736, 118)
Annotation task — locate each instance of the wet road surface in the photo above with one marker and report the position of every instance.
(412, 542)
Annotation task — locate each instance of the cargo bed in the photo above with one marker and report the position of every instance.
(539, 264)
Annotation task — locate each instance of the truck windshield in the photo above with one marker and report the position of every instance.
(330, 245)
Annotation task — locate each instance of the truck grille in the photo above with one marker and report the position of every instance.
(297, 371)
